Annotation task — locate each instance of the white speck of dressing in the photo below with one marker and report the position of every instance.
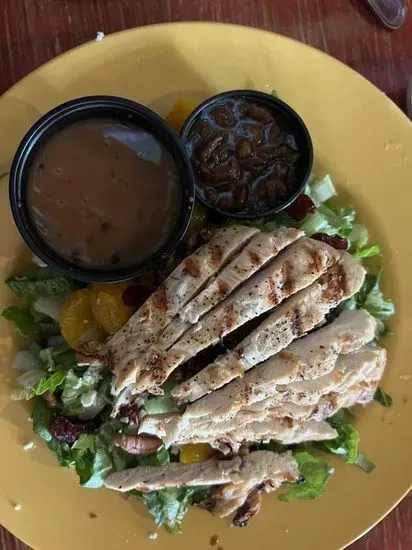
(99, 36)
(152, 536)
(29, 445)
(17, 507)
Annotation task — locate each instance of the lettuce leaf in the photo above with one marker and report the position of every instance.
(49, 383)
(30, 323)
(42, 417)
(383, 398)
(370, 297)
(80, 396)
(168, 507)
(346, 444)
(40, 282)
(315, 475)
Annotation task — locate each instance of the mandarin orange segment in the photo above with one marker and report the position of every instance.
(195, 452)
(77, 320)
(108, 306)
(179, 113)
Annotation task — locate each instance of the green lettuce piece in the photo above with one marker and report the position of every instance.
(367, 252)
(169, 506)
(49, 383)
(346, 444)
(315, 475)
(22, 319)
(76, 387)
(364, 463)
(92, 461)
(370, 297)
(58, 357)
(40, 282)
(42, 417)
(66, 456)
(31, 323)
(383, 398)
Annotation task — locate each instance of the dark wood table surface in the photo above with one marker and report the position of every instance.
(34, 31)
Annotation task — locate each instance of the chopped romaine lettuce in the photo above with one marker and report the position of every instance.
(370, 297)
(42, 417)
(80, 396)
(40, 282)
(22, 319)
(315, 474)
(30, 323)
(321, 190)
(60, 356)
(50, 383)
(169, 506)
(50, 306)
(383, 398)
(346, 444)
(367, 252)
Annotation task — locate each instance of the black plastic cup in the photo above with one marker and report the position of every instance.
(294, 124)
(84, 108)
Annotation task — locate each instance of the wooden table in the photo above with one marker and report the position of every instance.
(34, 31)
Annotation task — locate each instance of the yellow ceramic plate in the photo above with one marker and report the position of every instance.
(363, 140)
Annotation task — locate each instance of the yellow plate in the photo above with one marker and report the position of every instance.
(363, 140)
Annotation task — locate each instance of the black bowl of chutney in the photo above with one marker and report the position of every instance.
(101, 189)
(251, 153)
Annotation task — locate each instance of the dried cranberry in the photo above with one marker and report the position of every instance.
(301, 207)
(332, 240)
(131, 412)
(65, 431)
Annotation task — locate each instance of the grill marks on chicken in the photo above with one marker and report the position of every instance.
(295, 268)
(279, 383)
(256, 254)
(189, 277)
(310, 306)
(236, 480)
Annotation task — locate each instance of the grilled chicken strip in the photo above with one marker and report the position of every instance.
(356, 367)
(295, 268)
(238, 470)
(261, 471)
(246, 425)
(291, 320)
(256, 254)
(353, 381)
(178, 289)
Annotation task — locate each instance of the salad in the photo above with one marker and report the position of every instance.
(72, 398)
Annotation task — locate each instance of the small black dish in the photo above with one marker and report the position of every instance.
(292, 121)
(118, 109)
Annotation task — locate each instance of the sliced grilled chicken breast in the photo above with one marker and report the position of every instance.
(261, 471)
(175, 474)
(348, 371)
(189, 277)
(256, 254)
(291, 320)
(283, 430)
(353, 381)
(209, 472)
(295, 268)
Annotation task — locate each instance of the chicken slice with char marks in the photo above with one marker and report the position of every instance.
(262, 471)
(187, 279)
(255, 255)
(300, 314)
(239, 476)
(294, 269)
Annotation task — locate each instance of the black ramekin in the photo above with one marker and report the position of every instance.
(112, 107)
(295, 125)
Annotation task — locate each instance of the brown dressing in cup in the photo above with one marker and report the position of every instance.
(103, 193)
